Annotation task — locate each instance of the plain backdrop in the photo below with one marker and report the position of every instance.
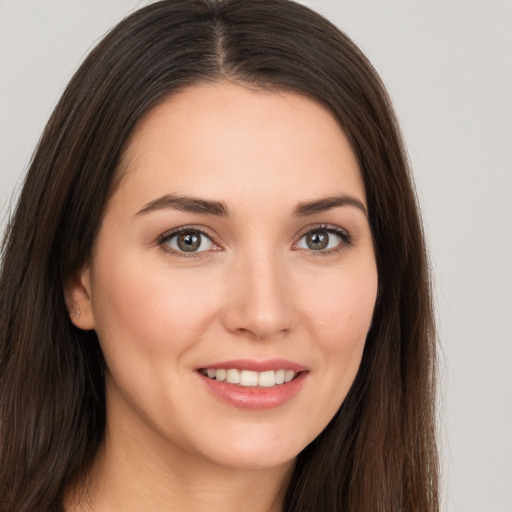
(448, 67)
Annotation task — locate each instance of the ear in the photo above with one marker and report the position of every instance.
(78, 296)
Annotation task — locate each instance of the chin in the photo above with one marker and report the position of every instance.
(256, 447)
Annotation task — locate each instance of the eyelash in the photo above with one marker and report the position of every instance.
(346, 240)
(163, 240)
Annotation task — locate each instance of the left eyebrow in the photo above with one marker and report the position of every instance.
(327, 203)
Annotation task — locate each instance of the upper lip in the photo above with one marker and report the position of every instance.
(256, 366)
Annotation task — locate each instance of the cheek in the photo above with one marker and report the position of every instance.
(338, 321)
(145, 307)
(341, 315)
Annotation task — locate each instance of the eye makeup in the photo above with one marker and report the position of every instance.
(193, 241)
(324, 240)
(187, 241)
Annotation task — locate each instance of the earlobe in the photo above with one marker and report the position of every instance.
(78, 295)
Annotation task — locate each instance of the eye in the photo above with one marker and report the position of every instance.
(324, 240)
(187, 241)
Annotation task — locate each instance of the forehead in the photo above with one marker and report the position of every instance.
(228, 140)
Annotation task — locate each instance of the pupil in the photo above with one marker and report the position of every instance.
(189, 242)
(318, 241)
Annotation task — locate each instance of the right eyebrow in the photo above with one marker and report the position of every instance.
(186, 204)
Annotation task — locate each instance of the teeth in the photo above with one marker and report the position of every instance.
(233, 376)
(280, 376)
(288, 376)
(267, 379)
(248, 378)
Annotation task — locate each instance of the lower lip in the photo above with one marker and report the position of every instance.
(255, 398)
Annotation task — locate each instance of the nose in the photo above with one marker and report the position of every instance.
(259, 301)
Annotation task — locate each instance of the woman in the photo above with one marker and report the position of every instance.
(214, 289)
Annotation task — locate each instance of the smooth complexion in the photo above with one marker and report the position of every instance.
(237, 236)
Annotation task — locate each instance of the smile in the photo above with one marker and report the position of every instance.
(249, 378)
(254, 385)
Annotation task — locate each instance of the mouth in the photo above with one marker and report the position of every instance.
(254, 385)
(250, 378)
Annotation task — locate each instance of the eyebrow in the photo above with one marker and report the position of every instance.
(186, 204)
(327, 203)
(219, 208)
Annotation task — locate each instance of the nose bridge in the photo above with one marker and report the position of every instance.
(260, 303)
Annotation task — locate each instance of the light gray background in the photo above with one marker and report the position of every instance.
(448, 67)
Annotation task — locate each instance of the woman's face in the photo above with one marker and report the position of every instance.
(236, 247)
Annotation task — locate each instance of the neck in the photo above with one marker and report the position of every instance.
(135, 471)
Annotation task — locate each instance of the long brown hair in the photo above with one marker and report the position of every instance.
(378, 453)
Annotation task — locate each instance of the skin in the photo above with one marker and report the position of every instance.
(257, 291)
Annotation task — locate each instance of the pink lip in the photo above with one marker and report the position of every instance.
(255, 398)
(257, 366)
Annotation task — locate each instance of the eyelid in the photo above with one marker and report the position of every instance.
(162, 240)
(346, 237)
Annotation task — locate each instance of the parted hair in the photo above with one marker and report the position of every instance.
(378, 453)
